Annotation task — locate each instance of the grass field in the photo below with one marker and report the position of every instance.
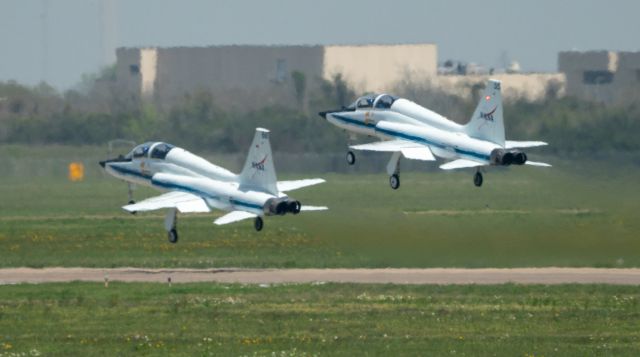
(576, 214)
(304, 320)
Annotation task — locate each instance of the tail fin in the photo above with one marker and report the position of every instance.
(259, 172)
(487, 122)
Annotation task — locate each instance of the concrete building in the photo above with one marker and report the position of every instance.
(604, 76)
(254, 76)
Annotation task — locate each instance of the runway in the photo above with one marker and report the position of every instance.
(440, 276)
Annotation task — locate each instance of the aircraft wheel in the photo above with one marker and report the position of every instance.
(173, 236)
(258, 224)
(351, 158)
(130, 203)
(394, 181)
(477, 179)
(297, 208)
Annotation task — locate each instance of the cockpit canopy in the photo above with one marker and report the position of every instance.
(377, 101)
(154, 150)
(384, 101)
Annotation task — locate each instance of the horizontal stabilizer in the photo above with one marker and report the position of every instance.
(387, 146)
(460, 164)
(234, 216)
(422, 153)
(183, 201)
(533, 163)
(510, 144)
(285, 186)
(313, 208)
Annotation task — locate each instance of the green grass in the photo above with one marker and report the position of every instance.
(329, 320)
(578, 213)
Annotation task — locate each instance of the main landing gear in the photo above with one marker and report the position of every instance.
(351, 157)
(258, 223)
(170, 222)
(477, 179)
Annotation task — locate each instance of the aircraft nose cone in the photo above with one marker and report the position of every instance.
(323, 115)
(102, 163)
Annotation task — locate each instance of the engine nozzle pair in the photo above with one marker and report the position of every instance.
(502, 157)
(280, 207)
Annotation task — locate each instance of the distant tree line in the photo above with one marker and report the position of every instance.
(41, 115)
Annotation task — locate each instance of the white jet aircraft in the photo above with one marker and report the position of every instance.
(196, 185)
(418, 133)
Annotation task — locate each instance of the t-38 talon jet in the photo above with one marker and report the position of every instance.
(196, 185)
(418, 133)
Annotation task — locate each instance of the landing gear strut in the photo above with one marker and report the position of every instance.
(258, 224)
(477, 179)
(170, 222)
(351, 157)
(130, 193)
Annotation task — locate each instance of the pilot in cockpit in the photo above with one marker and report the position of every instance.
(158, 150)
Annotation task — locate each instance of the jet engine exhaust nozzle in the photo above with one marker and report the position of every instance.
(282, 206)
(501, 157)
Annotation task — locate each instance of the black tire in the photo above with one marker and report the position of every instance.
(173, 236)
(258, 224)
(477, 179)
(394, 181)
(351, 158)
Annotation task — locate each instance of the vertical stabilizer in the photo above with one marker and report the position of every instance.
(487, 122)
(258, 172)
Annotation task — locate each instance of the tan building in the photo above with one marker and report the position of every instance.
(254, 76)
(604, 76)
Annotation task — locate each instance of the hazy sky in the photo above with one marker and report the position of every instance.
(59, 40)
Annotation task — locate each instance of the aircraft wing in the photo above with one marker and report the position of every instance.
(183, 201)
(510, 144)
(409, 149)
(313, 208)
(460, 164)
(534, 163)
(284, 186)
(234, 216)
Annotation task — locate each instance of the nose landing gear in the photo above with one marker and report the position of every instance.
(393, 169)
(170, 222)
(394, 181)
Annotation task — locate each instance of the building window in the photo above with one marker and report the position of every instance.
(134, 69)
(281, 70)
(597, 77)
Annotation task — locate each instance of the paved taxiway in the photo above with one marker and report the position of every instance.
(380, 276)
